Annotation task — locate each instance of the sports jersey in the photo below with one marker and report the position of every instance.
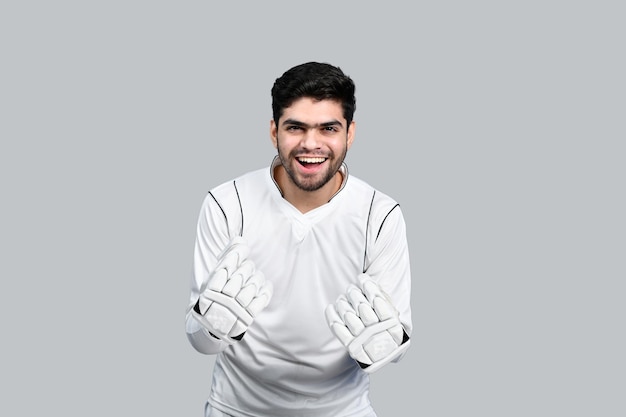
(289, 363)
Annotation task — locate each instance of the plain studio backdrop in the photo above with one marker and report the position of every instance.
(498, 127)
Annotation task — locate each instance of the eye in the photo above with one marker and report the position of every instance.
(293, 128)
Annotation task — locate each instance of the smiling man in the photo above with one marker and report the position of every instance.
(301, 279)
(312, 138)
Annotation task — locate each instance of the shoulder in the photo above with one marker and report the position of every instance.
(226, 196)
(224, 201)
(229, 189)
(380, 204)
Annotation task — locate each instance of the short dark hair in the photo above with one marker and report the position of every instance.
(319, 81)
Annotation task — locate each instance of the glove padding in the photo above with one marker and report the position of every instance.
(233, 295)
(368, 325)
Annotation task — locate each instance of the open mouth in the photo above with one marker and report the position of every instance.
(308, 161)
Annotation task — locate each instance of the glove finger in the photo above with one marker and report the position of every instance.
(217, 280)
(246, 295)
(239, 276)
(238, 328)
(230, 262)
(343, 307)
(371, 289)
(258, 304)
(356, 297)
(267, 288)
(237, 245)
(358, 353)
(397, 333)
(331, 315)
(342, 333)
(384, 309)
(255, 279)
(254, 286)
(233, 285)
(261, 301)
(203, 304)
(367, 314)
(363, 277)
(241, 248)
(245, 269)
(353, 323)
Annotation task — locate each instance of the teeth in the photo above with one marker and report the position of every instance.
(312, 160)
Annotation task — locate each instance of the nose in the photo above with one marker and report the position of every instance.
(310, 140)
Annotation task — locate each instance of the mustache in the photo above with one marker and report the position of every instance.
(315, 153)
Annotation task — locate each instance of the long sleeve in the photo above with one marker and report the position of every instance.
(388, 260)
(212, 236)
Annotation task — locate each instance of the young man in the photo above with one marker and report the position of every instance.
(301, 280)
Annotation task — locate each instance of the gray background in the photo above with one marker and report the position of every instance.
(498, 126)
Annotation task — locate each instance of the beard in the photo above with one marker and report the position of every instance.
(311, 182)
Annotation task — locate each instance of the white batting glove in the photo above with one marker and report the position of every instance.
(234, 294)
(368, 325)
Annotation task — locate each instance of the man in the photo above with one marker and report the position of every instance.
(301, 279)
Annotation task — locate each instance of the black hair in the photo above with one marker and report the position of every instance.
(316, 80)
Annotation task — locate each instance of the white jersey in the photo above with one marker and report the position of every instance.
(289, 362)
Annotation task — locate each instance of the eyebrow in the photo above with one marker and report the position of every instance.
(302, 124)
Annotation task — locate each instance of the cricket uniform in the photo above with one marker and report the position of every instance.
(289, 363)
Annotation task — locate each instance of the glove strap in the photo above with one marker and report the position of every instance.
(229, 302)
(356, 345)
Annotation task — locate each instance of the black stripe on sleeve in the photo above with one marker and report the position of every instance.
(367, 227)
(220, 206)
(387, 215)
(240, 207)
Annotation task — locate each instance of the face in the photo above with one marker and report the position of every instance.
(312, 138)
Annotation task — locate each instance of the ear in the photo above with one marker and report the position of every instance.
(351, 132)
(274, 133)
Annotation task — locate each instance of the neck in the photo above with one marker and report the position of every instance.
(303, 200)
